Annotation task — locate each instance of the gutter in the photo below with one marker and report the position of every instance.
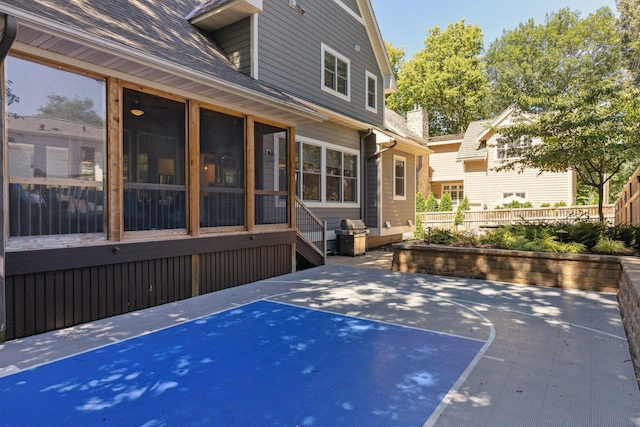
(9, 36)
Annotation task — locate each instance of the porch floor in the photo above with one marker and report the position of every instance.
(342, 344)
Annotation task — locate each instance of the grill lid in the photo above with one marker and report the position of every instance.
(352, 224)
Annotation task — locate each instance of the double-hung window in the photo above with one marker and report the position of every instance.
(456, 191)
(371, 103)
(326, 174)
(399, 178)
(335, 73)
(508, 149)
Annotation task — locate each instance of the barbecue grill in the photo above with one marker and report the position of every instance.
(352, 237)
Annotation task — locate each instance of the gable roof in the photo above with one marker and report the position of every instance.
(142, 41)
(470, 148)
(377, 42)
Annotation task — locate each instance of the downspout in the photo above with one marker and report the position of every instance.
(8, 37)
(363, 166)
(376, 155)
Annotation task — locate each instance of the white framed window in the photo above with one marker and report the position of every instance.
(399, 178)
(519, 194)
(371, 101)
(326, 173)
(456, 191)
(336, 70)
(504, 149)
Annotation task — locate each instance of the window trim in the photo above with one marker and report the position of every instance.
(504, 147)
(369, 75)
(323, 175)
(397, 196)
(334, 91)
(458, 188)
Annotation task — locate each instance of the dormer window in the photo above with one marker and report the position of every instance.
(335, 74)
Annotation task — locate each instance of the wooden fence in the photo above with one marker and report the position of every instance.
(477, 221)
(627, 211)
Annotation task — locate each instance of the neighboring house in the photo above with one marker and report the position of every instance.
(477, 154)
(155, 149)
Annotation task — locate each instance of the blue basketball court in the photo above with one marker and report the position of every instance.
(335, 346)
(260, 364)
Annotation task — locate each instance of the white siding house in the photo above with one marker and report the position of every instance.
(474, 174)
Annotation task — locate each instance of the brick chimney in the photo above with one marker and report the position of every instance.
(418, 122)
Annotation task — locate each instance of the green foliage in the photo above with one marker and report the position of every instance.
(396, 58)
(545, 205)
(629, 28)
(627, 234)
(74, 110)
(514, 204)
(441, 237)
(446, 204)
(432, 203)
(419, 233)
(527, 204)
(464, 206)
(421, 204)
(446, 79)
(561, 203)
(567, 84)
(572, 248)
(608, 246)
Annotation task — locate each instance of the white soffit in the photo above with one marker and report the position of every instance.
(225, 14)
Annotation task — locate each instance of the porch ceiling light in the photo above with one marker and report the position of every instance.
(136, 109)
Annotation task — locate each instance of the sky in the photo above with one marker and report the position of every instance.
(404, 23)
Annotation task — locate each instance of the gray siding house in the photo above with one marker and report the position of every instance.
(158, 150)
(330, 56)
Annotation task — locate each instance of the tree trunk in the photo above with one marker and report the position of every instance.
(600, 201)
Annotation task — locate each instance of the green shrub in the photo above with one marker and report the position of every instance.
(572, 248)
(560, 203)
(421, 204)
(441, 237)
(514, 204)
(541, 244)
(623, 232)
(446, 204)
(527, 205)
(545, 205)
(585, 232)
(419, 233)
(432, 203)
(608, 246)
(464, 206)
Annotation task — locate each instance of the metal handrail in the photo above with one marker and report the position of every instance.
(311, 228)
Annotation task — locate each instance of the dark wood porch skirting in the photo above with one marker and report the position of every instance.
(58, 288)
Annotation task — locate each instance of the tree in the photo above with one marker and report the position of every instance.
(446, 204)
(445, 78)
(566, 82)
(75, 110)
(432, 203)
(421, 205)
(462, 207)
(396, 58)
(629, 27)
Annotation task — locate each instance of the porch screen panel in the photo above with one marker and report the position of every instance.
(154, 150)
(221, 169)
(56, 150)
(271, 175)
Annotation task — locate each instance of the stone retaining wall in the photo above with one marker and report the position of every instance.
(586, 272)
(629, 300)
(572, 271)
